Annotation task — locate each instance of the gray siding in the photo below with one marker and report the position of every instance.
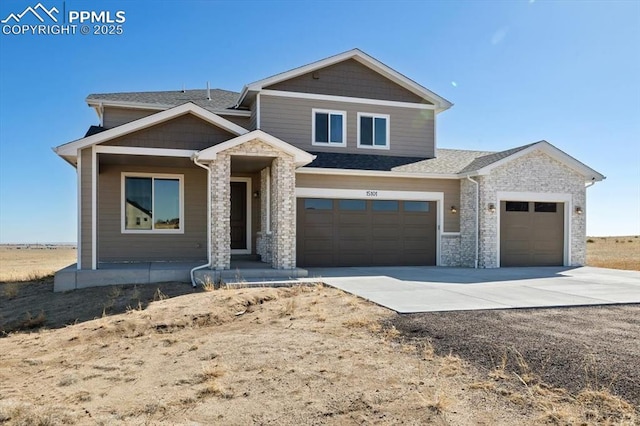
(85, 208)
(114, 246)
(290, 119)
(114, 117)
(244, 122)
(450, 188)
(348, 78)
(184, 132)
(253, 121)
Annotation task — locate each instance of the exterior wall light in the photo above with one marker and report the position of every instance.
(453, 210)
(256, 194)
(578, 210)
(492, 208)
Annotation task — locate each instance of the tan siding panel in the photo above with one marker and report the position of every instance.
(184, 132)
(85, 208)
(449, 187)
(348, 78)
(253, 120)
(114, 117)
(290, 119)
(114, 246)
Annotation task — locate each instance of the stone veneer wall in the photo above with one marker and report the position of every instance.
(263, 239)
(535, 172)
(221, 212)
(450, 254)
(283, 214)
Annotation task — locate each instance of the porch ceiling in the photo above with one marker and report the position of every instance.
(249, 164)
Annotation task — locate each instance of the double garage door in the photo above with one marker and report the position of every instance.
(531, 233)
(340, 232)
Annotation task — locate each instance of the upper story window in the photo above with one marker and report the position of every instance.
(152, 203)
(373, 131)
(329, 128)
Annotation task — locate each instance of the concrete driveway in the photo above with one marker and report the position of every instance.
(431, 289)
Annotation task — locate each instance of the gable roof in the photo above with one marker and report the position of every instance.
(366, 60)
(334, 160)
(473, 163)
(70, 149)
(300, 156)
(222, 101)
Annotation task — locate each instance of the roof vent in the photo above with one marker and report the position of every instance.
(183, 90)
(208, 92)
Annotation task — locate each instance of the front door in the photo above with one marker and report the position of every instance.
(238, 216)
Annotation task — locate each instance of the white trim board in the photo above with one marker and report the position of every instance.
(132, 150)
(249, 195)
(550, 197)
(94, 208)
(349, 99)
(79, 219)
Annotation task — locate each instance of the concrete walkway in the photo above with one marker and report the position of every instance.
(431, 289)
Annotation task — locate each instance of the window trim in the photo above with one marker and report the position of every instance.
(178, 177)
(313, 127)
(387, 117)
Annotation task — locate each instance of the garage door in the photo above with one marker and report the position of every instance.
(365, 232)
(531, 233)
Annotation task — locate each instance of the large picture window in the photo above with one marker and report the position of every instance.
(329, 127)
(373, 131)
(152, 203)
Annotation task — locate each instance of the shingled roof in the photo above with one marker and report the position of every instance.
(220, 99)
(333, 160)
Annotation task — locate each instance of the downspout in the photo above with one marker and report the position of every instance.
(475, 265)
(194, 158)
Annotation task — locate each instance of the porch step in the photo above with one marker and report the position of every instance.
(235, 276)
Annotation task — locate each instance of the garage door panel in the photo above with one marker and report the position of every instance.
(357, 234)
(532, 234)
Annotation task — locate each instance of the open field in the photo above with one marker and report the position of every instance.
(614, 252)
(19, 262)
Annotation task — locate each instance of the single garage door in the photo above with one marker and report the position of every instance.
(365, 232)
(531, 233)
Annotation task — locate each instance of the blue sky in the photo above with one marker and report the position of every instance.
(517, 71)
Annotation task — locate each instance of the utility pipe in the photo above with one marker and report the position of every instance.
(477, 219)
(194, 158)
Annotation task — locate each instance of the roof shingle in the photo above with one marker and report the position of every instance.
(220, 99)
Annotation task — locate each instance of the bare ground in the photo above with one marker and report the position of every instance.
(307, 355)
(573, 348)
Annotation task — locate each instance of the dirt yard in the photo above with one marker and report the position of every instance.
(169, 354)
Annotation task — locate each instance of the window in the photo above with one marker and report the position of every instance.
(329, 127)
(152, 203)
(517, 206)
(416, 206)
(354, 205)
(545, 207)
(385, 206)
(318, 204)
(373, 131)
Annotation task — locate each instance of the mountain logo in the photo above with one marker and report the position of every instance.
(34, 11)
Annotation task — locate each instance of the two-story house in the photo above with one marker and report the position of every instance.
(334, 163)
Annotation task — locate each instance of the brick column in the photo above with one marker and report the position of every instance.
(221, 212)
(283, 214)
(263, 240)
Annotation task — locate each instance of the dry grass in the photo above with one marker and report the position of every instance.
(614, 252)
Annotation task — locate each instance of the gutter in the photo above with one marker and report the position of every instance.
(477, 219)
(194, 158)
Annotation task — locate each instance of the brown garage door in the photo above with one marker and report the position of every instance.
(365, 232)
(531, 233)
